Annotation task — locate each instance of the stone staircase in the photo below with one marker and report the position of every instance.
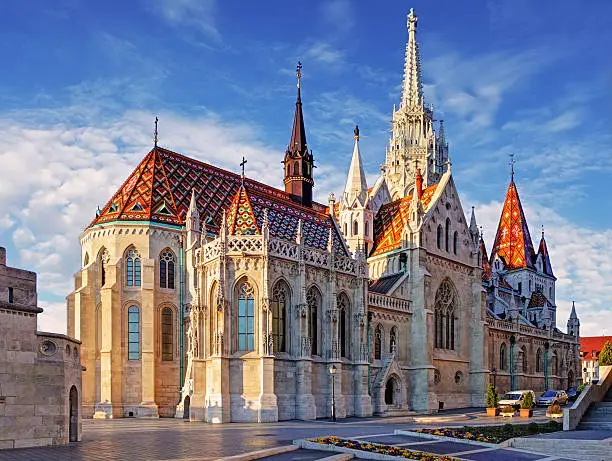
(599, 415)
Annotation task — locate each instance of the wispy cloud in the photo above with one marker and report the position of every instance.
(196, 14)
(339, 15)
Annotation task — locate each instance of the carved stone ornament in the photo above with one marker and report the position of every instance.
(48, 348)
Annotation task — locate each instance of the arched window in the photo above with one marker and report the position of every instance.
(444, 316)
(166, 269)
(367, 229)
(86, 260)
(296, 169)
(345, 229)
(503, 365)
(524, 359)
(447, 234)
(555, 364)
(455, 238)
(280, 299)
(439, 237)
(355, 228)
(167, 333)
(313, 300)
(246, 317)
(132, 268)
(102, 259)
(133, 333)
(378, 337)
(343, 309)
(539, 361)
(393, 341)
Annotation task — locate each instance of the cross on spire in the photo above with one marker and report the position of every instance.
(155, 132)
(242, 164)
(512, 162)
(298, 73)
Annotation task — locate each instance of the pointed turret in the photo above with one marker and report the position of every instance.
(192, 221)
(299, 163)
(356, 185)
(412, 94)
(512, 241)
(543, 255)
(474, 228)
(484, 260)
(573, 324)
(241, 219)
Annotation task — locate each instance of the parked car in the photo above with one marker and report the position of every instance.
(514, 398)
(551, 398)
(572, 393)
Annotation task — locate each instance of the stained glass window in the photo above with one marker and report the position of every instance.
(246, 317)
(167, 331)
(133, 333)
(132, 268)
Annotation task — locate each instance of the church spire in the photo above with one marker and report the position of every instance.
(412, 94)
(298, 162)
(356, 185)
(543, 253)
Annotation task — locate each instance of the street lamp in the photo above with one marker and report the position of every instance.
(332, 372)
(494, 373)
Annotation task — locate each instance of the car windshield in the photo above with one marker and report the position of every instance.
(549, 394)
(572, 389)
(511, 396)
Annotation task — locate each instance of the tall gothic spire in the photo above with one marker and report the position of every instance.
(412, 94)
(356, 185)
(297, 144)
(543, 253)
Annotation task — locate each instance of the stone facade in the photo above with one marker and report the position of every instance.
(40, 373)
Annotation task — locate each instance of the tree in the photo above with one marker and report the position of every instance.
(605, 356)
(492, 397)
(527, 402)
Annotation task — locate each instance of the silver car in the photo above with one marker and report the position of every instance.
(551, 398)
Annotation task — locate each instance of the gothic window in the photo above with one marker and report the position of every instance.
(246, 317)
(100, 267)
(356, 228)
(296, 169)
(367, 229)
(539, 361)
(455, 239)
(132, 268)
(166, 269)
(444, 316)
(447, 234)
(343, 308)
(524, 359)
(167, 333)
(280, 298)
(86, 260)
(345, 229)
(378, 337)
(133, 333)
(439, 239)
(555, 364)
(503, 363)
(313, 299)
(393, 341)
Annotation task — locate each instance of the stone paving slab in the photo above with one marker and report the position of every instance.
(590, 434)
(442, 448)
(299, 455)
(503, 455)
(391, 439)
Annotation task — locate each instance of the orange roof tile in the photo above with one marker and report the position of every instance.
(588, 344)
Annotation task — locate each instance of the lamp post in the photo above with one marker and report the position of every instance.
(494, 373)
(332, 372)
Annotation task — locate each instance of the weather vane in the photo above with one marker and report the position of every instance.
(242, 164)
(155, 132)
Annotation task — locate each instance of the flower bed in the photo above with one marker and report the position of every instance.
(382, 449)
(494, 434)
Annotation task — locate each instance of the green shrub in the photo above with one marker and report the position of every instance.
(527, 402)
(532, 428)
(605, 356)
(581, 387)
(492, 398)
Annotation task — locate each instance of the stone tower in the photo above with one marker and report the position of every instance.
(573, 324)
(356, 217)
(299, 161)
(414, 143)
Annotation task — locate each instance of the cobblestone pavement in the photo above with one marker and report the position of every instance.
(169, 439)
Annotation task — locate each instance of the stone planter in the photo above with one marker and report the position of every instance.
(526, 412)
(507, 414)
(493, 411)
(554, 415)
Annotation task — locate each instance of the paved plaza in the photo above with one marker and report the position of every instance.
(169, 439)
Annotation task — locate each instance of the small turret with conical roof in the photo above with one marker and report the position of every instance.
(573, 324)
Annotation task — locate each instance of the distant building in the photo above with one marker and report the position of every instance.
(590, 347)
(40, 373)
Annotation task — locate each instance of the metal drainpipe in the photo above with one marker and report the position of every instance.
(181, 321)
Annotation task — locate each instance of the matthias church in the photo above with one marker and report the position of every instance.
(211, 296)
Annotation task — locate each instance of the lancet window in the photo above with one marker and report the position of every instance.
(167, 333)
(166, 269)
(246, 317)
(539, 361)
(343, 309)
(280, 300)
(503, 357)
(444, 316)
(313, 300)
(393, 341)
(378, 338)
(133, 333)
(132, 268)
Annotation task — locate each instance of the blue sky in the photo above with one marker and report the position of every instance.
(83, 81)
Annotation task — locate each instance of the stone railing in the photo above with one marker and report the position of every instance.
(593, 393)
(389, 302)
(500, 324)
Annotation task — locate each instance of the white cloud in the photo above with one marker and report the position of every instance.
(197, 14)
(53, 317)
(338, 15)
(325, 53)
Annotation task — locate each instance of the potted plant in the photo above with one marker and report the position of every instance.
(527, 406)
(492, 400)
(507, 410)
(554, 411)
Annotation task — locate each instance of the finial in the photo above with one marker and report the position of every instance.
(412, 20)
(542, 231)
(242, 164)
(155, 132)
(512, 162)
(481, 233)
(298, 74)
(356, 132)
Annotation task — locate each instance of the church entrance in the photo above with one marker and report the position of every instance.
(186, 404)
(391, 391)
(73, 423)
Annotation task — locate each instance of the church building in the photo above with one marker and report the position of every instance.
(208, 295)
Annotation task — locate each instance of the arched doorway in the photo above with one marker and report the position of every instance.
(392, 390)
(186, 404)
(73, 423)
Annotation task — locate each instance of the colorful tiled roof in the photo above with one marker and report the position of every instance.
(512, 241)
(391, 220)
(159, 190)
(240, 218)
(538, 300)
(543, 251)
(590, 344)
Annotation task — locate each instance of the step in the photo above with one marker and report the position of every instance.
(607, 425)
